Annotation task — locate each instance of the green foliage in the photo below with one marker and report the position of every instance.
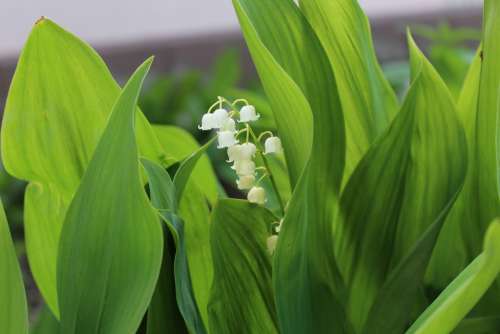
(386, 225)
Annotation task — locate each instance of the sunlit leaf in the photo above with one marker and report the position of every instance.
(368, 100)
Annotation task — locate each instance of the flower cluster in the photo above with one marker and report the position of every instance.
(241, 154)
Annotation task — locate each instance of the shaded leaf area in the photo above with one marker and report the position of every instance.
(13, 307)
(106, 288)
(45, 323)
(180, 144)
(163, 194)
(406, 182)
(59, 102)
(241, 298)
(453, 304)
(368, 101)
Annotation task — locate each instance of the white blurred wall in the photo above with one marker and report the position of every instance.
(116, 21)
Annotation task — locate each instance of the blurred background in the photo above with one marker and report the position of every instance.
(200, 53)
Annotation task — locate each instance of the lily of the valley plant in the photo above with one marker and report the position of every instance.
(362, 213)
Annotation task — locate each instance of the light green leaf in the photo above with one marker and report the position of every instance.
(180, 144)
(241, 298)
(44, 210)
(59, 102)
(368, 100)
(106, 288)
(453, 304)
(13, 308)
(406, 181)
(162, 190)
(281, 46)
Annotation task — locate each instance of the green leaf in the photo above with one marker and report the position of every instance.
(59, 102)
(45, 323)
(368, 100)
(241, 299)
(453, 304)
(44, 211)
(299, 83)
(106, 288)
(186, 168)
(13, 308)
(406, 181)
(297, 78)
(162, 189)
(179, 145)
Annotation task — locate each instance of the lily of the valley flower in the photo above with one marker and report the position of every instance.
(208, 122)
(245, 182)
(228, 125)
(226, 139)
(248, 114)
(273, 145)
(220, 117)
(257, 195)
(271, 244)
(244, 151)
(244, 167)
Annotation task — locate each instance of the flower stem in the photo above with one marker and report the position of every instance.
(270, 174)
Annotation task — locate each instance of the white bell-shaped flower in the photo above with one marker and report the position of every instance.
(226, 139)
(257, 195)
(248, 114)
(207, 122)
(272, 241)
(273, 145)
(244, 151)
(245, 182)
(244, 167)
(220, 117)
(228, 125)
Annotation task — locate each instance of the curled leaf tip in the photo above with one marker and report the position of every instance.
(40, 20)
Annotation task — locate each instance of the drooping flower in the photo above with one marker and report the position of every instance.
(271, 244)
(244, 167)
(207, 122)
(245, 182)
(257, 195)
(248, 114)
(228, 125)
(273, 145)
(220, 117)
(244, 151)
(226, 139)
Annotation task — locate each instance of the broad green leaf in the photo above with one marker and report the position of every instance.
(13, 307)
(300, 84)
(406, 181)
(44, 210)
(180, 144)
(162, 191)
(453, 304)
(107, 288)
(241, 299)
(59, 102)
(368, 100)
(297, 78)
